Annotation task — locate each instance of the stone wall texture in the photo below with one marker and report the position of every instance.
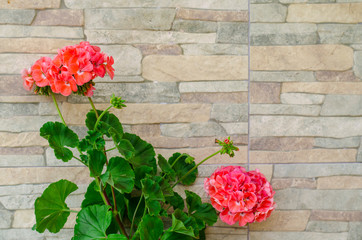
(286, 86)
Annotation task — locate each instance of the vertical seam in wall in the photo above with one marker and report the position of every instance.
(248, 150)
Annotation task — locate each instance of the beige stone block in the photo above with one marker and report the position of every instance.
(321, 13)
(283, 221)
(226, 231)
(24, 139)
(159, 49)
(147, 130)
(330, 76)
(340, 182)
(283, 183)
(142, 113)
(201, 153)
(32, 4)
(211, 15)
(325, 215)
(264, 92)
(33, 45)
(281, 144)
(324, 87)
(26, 219)
(175, 142)
(308, 57)
(29, 99)
(232, 97)
(59, 17)
(304, 156)
(191, 68)
(14, 176)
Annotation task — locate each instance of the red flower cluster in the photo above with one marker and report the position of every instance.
(72, 70)
(240, 196)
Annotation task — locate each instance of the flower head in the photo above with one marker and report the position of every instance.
(227, 147)
(240, 196)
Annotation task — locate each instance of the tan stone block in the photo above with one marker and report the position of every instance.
(265, 169)
(142, 113)
(24, 139)
(29, 99)
(226, 230)
(201, 153)
(324, 215)
(304, 156)
(147, 130)
(264, 92)
(26, 219)
(210, 15)
(283, 183)
(321, 13)
(330, 76)
(159, 49)
(59, 17)
(33, 45)
(14, 176)
(283, 221)
(308, 57)
(340, 182)
(281, 144)
(32, 4)
(323, 87)
(21, 151)
(232, 97)
(190, 68)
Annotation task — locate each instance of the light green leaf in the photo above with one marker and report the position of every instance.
(51, 211)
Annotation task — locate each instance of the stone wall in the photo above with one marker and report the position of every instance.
(183, 67)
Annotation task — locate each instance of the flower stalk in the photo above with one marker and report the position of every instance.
(56, 105)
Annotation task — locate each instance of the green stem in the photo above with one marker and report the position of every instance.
(134, 214)
(100, 117)
(68, 210)
(79, 160)
(111, 149)
(184, 154)
(192, 169)
(93, 107)
(56, 105)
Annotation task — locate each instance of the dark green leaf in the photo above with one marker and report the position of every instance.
(144, 152)
(175, 236)
(176, 201)
(154, 207)
(123, 145)
(121, 175)
(117, 237)
(140, 173)
(178, 163)
(92, 223)
(150, 228)
(131, 207)
(179, 227)
(108, 121)
(59, 136)
(97, 159)
(183, 226)
(166, 167)
(151, 190)
(51, 211)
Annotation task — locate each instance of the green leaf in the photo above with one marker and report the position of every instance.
(92, 223)
(179, 227)
(176, 201)
(59, 136)
(94, 140)
(97, 159)
(117, 237)
(108, 121)
(124, 146)
(150, 228)
(131, 207)
(180, 166)
(51, 211)
(140, 173)
(154, 207)
(121, 175)
(202, 212)
(183, 227)
(166, 167)
(151, 190)
(144, 152)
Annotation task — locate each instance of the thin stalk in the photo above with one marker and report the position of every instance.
(184, 154)
(93, 107)
(68, 210)
(56, 105)
(134, 214)
(79, 160)
(111, 149)
(192, 169)
(100, 117)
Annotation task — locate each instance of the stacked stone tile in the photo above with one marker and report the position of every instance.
(182, 66)
(305, 116)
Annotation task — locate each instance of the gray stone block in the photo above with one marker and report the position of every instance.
(21, 160)
(207, 129)
(301, 98)
(25, 123)
(232, 33)
(318, 199)
(342, 105)
(285, 109)
(214, 49)
(340, 33)
(194, 26)
(41, 31)
(51, 160)
(18, 109)
(285, 76)
(272, 12)
(137, 18)
(23, 234)
(230, 112)
(214, 86)
(327, 226)
(16, 16)
(235, 128)
(357, 68)
(355, 231)
(316, 170)
(283, 34)
(5, 219)
(297, 236)
(352, 142)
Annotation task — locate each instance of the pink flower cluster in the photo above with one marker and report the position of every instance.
(72, 70)
(240, 196)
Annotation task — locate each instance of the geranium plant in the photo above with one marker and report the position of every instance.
(132, 195)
